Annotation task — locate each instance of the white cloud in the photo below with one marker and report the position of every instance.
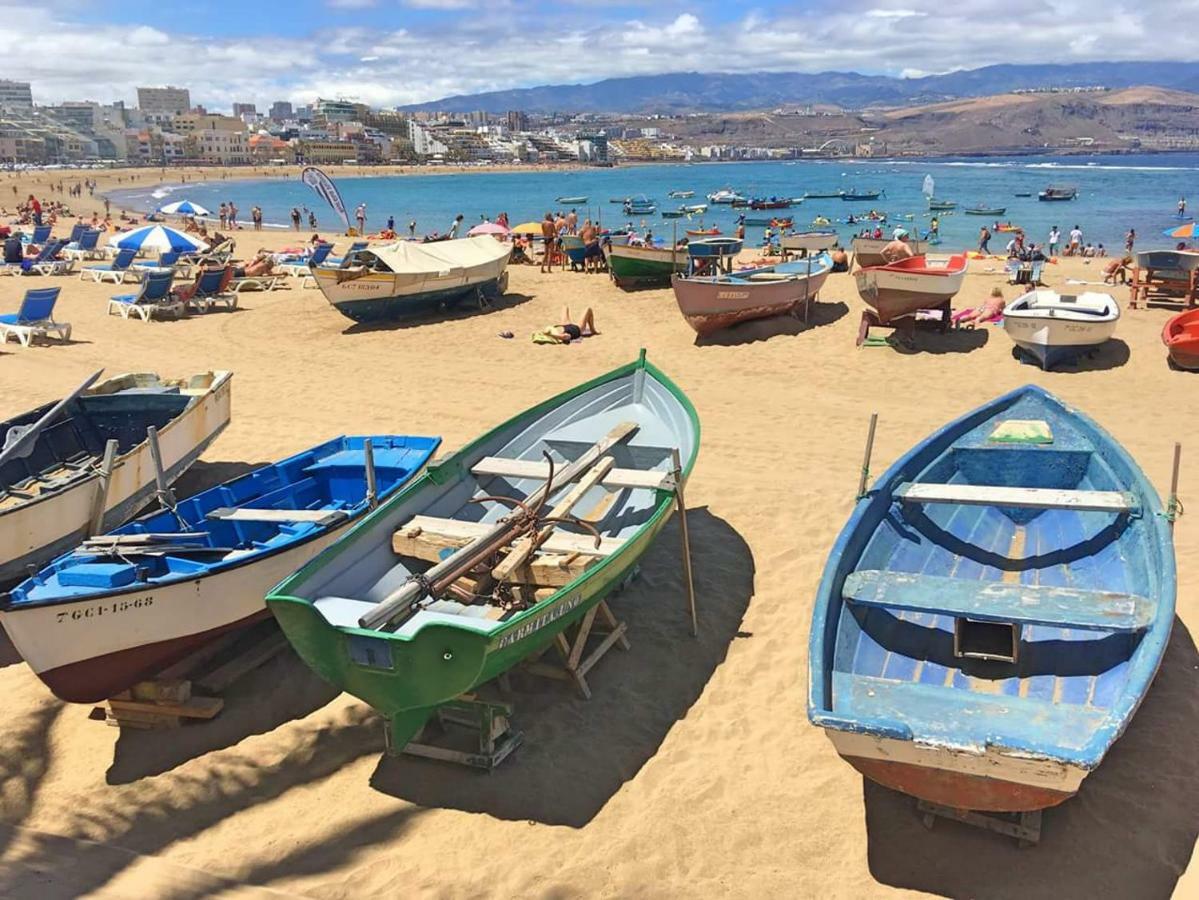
(491, 48)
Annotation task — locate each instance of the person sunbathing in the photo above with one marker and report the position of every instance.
(567, 331)
(991, 310)
(258, 267)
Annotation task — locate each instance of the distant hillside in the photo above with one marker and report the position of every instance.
(717, 92)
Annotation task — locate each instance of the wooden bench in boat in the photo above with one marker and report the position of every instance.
(532, 468)
(999, 601)
(1028, 498)
(248, 514)
(453, 533)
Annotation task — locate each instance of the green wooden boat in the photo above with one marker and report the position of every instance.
(362, 614)
(633, 267)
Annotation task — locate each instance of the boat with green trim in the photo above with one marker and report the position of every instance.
(375, 614)
(634, 267)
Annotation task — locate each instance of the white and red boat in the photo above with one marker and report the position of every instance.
(901, 288)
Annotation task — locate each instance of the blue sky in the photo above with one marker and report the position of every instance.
(388, 52)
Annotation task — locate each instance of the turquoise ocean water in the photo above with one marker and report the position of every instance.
(1115, 193)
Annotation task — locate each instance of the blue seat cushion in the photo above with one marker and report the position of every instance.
(98, 575)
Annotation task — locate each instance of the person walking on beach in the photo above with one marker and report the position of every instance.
(107, 206)
(1075, 246)
(984, 240)
(223, 215)
(1129, 240)
(312, 220)
(295, 218)
(1182, 207)
(391, 224)
(455, 225)
(548, 235)
(232, 215)
(412, 229)
(360, 215)
(1055, 238)
(256, 217)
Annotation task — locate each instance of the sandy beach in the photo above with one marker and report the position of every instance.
(693, 772)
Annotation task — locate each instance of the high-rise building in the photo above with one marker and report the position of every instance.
(243, 109)
(336, 110)
(15, 93)
(517, 120)
(163, 102)
(281, 111)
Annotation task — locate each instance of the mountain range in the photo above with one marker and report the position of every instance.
(681, 92)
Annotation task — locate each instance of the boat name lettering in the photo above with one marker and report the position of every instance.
(95, 612)
(534, 625)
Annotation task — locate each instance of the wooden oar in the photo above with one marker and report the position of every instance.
(527, 545)
(398, 601)
(18, 443)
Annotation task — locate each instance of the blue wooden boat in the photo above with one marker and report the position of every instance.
(128, 603)
(995, 610)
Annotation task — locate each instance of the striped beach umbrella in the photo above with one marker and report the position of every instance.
(1181, 231)
(184, 208)
(158, 238)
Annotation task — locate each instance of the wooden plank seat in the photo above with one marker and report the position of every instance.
(246, 514)
(1000, 601)
(1024, 497)
(504, 467)
(422, 531)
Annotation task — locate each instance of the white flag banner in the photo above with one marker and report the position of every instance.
(327, 190)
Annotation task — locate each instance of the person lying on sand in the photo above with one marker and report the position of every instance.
(990, 311)
(567, 331)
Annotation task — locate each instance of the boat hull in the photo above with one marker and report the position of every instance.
(1051, 342)
(634, 267)
(894, 295)
(711, 305)
(32, 533)
(1181, 337)
(986, 782)
(869, 252)
(382, 297)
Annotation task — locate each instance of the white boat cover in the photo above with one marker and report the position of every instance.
(1090, 306)
(444, 259)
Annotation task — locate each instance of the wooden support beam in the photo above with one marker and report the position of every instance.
(453, 533)
(502, 467)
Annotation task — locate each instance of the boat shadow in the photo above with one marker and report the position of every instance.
(281, 690)
(1130, 832)
(508, 301)
(578, 753)
(819, 314)
(932, 340)
(1112, 355)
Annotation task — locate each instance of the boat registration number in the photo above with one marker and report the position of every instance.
(103, 609)
(731, 295)
(536, 624)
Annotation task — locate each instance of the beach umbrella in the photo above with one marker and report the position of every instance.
(488, 228)
(528, 228)
(184, 208)
(1181, 231)
(159, 238)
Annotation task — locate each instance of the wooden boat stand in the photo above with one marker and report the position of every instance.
(490, 721)
(1147, 286)
(574, 666)
(904, 327)
(167, 700)
(1024, 827)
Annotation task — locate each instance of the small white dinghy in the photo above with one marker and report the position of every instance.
(1053, 327)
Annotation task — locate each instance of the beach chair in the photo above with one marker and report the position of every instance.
(35, 317)
(49, 262)
(167, 260)
(86, 246)
(41, 234)
(342, 261)
(211, 288)
(115, 271)
(154, 297)
(76, 233)
(270, 282)
(217, 254)
(300, 268)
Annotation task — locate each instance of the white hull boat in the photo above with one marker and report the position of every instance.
(1053, 327)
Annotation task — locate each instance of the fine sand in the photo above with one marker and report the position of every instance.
(693, 772)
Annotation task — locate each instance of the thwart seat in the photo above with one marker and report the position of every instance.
(1023, 497)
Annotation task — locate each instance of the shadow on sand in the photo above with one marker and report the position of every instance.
(1130, 831)
(577, 753)
(932, 340)
(819, 314)
(465, 310)
(1112, 355)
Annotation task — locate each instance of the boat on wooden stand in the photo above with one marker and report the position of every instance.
(1054, 328)
(126, 604)
(404, 278)
(995, 610)
(85, 464)
(462, 575)
(902, 288)
(869, 251)
(634, 267)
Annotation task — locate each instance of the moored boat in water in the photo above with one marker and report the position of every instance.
(725, 195)
(1054, 328)
(899, 289)
(52, 489)
(130, 602)
(995, 610)
(391, 614)
(393, 281)
(861, 195)
(1058, 192)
